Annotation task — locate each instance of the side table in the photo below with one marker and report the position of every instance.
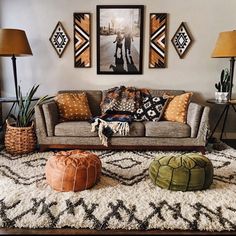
(224, 114)
(12, 100)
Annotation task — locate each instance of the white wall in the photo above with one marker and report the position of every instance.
(197, 72)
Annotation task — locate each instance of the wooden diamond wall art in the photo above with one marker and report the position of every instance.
(59, 39)
(182, 40)
(158, 42)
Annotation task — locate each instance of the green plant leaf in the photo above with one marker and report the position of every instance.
(25, 107)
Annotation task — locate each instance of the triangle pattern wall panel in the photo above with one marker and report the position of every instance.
(158, 41)
(82, 48)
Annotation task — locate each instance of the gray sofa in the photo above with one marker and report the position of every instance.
(148, 135)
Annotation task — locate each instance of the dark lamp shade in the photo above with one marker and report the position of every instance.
(14, 42)
(225, 45)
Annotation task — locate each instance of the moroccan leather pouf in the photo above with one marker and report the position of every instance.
(74, 170)
(186, 172)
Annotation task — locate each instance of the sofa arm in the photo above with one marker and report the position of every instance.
(194, 117)
(204, 127)
(40, 123)
(51, 116)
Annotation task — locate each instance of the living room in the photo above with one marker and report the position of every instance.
(190, 65)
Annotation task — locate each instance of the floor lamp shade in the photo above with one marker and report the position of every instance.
(14, 43)
(226, 48)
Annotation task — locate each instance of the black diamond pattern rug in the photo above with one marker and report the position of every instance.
(125, 197)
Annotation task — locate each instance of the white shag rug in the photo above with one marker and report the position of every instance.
(125, 197)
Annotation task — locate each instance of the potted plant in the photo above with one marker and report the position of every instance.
(20, 137)
(223, 86)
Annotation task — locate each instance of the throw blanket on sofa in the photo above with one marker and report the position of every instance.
(118, 106)
(106, 129)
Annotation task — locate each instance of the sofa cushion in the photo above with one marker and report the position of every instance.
(151, 109)
(73, 106)
(83, 129)
(74, 128)
(177, 107)
(161, 92)
(167, 129)
(136, 129)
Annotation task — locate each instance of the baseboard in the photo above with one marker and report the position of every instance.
(228, 135)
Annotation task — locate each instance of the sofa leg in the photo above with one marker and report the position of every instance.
(43, 148)
(202, 150)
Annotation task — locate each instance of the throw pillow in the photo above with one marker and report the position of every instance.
(177, 107)
(151, 109)
(73, 106)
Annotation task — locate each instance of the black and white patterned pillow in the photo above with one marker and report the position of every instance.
(151, 109)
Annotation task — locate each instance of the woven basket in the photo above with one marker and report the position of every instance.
(20, 140)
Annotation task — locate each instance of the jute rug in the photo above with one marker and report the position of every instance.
(125, 198)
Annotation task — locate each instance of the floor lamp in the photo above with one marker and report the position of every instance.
(14, 43)
(226, 48)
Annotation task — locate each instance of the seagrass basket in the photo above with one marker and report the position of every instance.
(20, 140)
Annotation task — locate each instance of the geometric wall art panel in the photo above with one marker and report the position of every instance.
(82, 47)
(182, 40)
(59, 39)
(158, 40)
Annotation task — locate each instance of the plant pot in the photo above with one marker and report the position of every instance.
(20, 140)
(222, 96)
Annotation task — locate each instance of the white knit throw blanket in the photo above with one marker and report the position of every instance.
(116, 126)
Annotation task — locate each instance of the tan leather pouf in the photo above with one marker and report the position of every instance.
(74, 170)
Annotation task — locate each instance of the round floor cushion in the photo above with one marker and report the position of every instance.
(74, 170)
(185, 172)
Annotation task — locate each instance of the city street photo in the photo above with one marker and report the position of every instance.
(119, 39)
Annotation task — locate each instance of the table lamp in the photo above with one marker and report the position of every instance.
(14, 43)
(226, 48)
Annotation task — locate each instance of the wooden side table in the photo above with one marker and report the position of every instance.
(224, 114)
(12, 100)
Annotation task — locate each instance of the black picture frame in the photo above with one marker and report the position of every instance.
(122, 23)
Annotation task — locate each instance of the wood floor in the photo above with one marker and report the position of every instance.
(69, 231)
(107, 232)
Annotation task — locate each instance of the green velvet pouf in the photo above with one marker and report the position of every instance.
(186, 172)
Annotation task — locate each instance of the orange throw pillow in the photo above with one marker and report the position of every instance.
(73, 106)
(176, 109)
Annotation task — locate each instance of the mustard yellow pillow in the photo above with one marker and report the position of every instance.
(73, 106)
(177, 107)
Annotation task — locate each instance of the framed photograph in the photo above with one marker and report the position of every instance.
(119, 39)
(158, 40)
(182, 40)
(82, 47)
